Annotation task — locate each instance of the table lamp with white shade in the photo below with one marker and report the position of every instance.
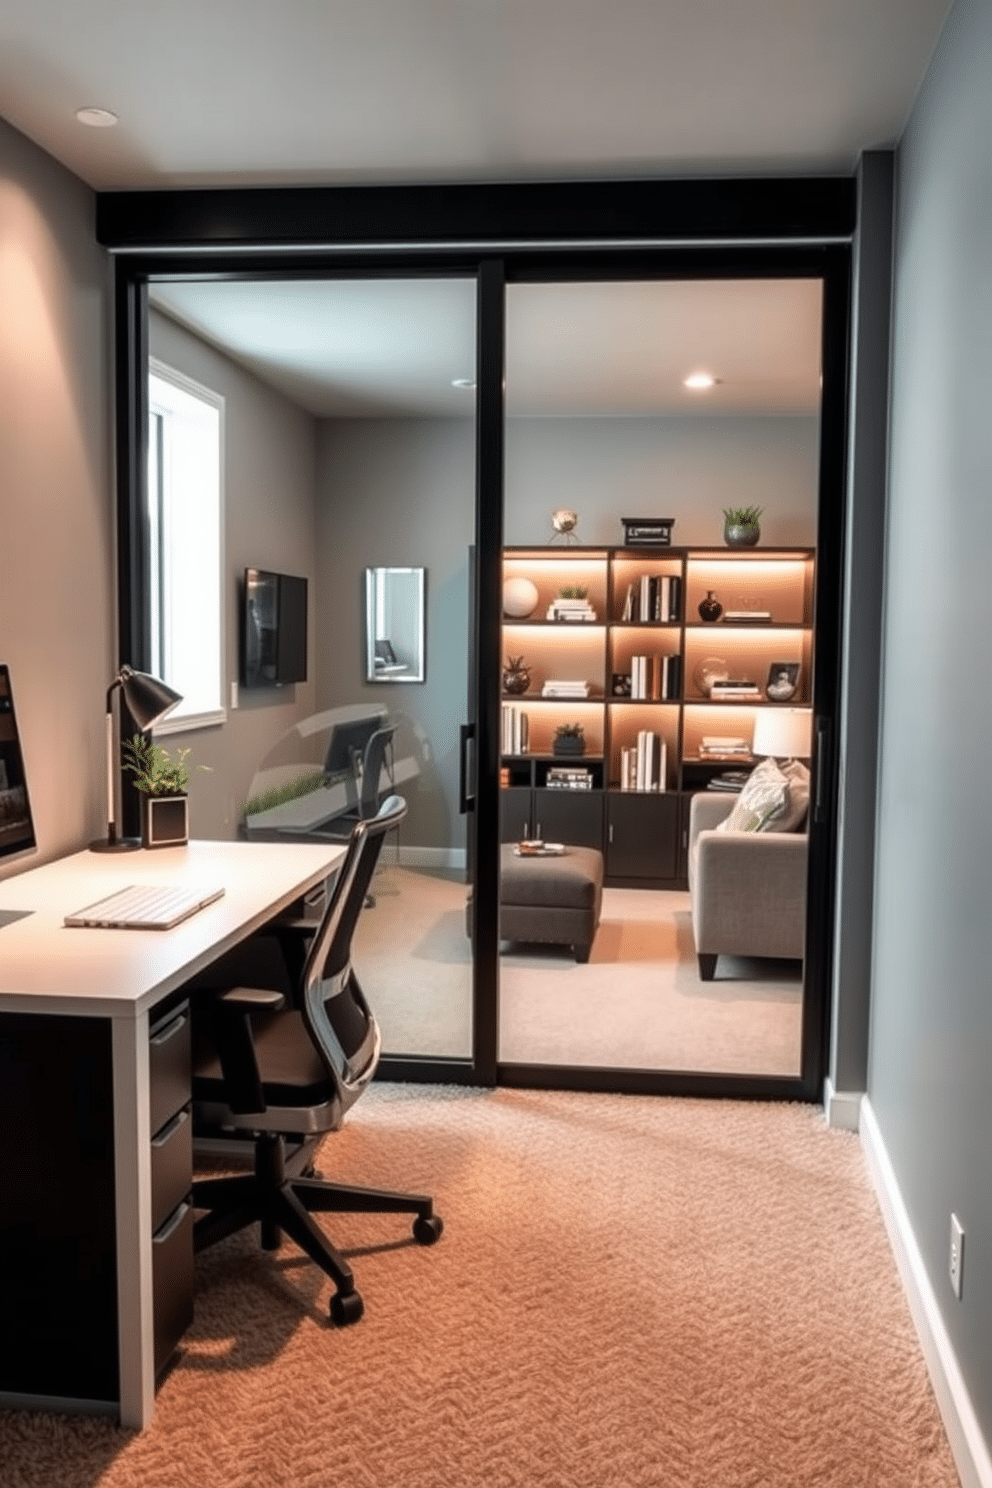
(148, 701)
(783, 733)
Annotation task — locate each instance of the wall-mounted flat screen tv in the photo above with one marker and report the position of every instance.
(16, 826)
(273, 629)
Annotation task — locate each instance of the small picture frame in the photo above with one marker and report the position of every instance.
(783, 681)
(620, 687)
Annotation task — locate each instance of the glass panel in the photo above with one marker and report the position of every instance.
(349, 447)
(645, 655)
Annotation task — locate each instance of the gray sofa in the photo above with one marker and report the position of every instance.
(747, 889)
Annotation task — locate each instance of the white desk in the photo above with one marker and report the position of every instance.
(120, 976)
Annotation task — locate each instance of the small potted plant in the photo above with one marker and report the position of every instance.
(516, 676)
(162, 778)
(741, 526)
(569, 739)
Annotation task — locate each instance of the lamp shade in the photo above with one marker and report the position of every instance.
(148, 699)
(783, 732)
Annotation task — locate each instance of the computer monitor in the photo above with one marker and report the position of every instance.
(346, 746)
(16, 824)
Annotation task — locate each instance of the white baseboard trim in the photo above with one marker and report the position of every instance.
(842, 1108)
(425, 857)
(969, 1448)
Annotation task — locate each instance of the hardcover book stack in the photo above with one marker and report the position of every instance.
(643, 766)
(515, 730)
(654, 597)
(569, 777)
(733, 689)
(724, 746)
(557, 687)
(570, 609)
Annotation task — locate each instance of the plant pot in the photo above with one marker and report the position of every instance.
(569, 744)
(741, 534)
(516, 680)
(164, 821)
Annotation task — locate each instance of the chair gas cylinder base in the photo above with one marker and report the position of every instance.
(284, 1046)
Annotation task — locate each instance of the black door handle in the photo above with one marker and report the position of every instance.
(822, 737)
(466, 735)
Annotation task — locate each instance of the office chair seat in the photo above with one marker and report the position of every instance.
(284, 1044)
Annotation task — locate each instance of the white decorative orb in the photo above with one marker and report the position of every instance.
(564, 520)
(519, 598)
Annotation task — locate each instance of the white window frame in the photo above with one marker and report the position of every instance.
(185, 716)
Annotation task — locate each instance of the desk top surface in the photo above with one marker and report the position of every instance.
(47, 967)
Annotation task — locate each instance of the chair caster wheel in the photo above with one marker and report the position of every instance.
(346, 1308)
(427, 1231)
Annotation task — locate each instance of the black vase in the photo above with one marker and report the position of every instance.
(710, 608)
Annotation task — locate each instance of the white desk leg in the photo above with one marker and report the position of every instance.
(132, 1168)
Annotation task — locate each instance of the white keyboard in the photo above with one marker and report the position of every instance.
(144, 907)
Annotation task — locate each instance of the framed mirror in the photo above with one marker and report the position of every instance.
(394, 625)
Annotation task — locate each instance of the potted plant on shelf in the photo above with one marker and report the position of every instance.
(569, 739)
(163, 779)
(741, 527)
(516, 676)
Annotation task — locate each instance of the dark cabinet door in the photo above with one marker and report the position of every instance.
(515, 815)
(572, 816)
(642, 835)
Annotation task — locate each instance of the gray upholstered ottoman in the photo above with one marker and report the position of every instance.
(555, 900)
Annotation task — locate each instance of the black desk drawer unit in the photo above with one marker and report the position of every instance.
(169, 1077)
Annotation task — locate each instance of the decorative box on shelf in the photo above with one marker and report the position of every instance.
(647, 532)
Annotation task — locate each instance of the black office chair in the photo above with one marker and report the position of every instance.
(373, 761)
(290, 1059)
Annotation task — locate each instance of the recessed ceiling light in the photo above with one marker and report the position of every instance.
(464, 382)
(700, 381)
(96, 118)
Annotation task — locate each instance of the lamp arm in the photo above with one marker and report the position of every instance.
(113, 762)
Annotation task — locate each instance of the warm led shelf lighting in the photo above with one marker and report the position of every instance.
(700, 381)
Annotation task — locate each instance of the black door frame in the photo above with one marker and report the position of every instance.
(559, 231)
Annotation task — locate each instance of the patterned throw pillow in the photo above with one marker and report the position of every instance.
(774, 798)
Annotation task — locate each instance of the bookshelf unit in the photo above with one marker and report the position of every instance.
(654, 685)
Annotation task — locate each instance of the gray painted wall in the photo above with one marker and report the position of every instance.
(401, 492)
(57, 594)
(686, 468)
(931, 1028)
(270, 464)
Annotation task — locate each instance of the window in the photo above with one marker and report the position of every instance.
(185, 506)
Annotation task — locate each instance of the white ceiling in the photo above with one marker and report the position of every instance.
(377, 348)
(211, 92)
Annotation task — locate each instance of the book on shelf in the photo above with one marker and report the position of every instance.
(653, 598)
(747, 617)
(644, 765)
(515, 730)
(563, 688)
(731, 781)
(734, 687)
(656, 678)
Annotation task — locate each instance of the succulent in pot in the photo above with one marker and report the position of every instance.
(569, 739)
(741, 526)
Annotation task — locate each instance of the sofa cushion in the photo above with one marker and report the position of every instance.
(774, 798)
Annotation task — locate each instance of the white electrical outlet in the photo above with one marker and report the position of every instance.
(955, 1260)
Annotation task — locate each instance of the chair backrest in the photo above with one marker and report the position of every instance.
(373, 761)
(333, 1006)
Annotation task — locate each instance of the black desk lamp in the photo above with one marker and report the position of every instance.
(148, 701)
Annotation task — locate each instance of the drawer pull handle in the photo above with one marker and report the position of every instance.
(163, 1035)
(171, 1127)
(172, 1224)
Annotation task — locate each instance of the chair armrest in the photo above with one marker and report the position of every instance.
(749, 892)
(707, 809)
(232, 1009)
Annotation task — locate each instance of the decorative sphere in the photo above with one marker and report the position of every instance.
(563, 520)
(520, 598)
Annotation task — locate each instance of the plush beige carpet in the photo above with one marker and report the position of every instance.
(630, 1292)
(638, 1004)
